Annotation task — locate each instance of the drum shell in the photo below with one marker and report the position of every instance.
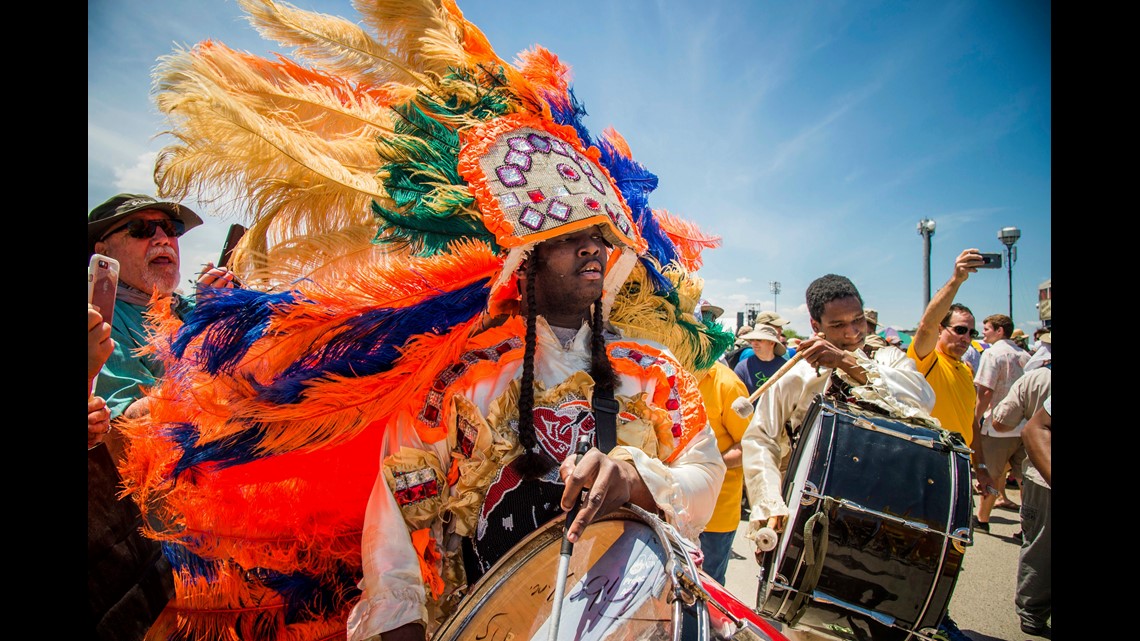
(894, 506)
(628, 548)
(514, 598)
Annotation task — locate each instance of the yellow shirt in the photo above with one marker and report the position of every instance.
(954, 393)
(719, 387)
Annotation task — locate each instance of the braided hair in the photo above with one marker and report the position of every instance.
(535, 462)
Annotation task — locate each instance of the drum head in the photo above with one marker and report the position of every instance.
(616, 589)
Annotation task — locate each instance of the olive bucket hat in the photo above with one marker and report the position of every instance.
(106, 216)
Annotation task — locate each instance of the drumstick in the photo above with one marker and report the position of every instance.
(743, 406)
(567, 547)
(766, 539)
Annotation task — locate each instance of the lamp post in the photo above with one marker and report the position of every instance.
(926, 230)
(1008, 236)
(774, 286)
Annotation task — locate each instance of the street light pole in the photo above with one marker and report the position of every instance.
(774, 285)
(1008, 236)
(926, 230)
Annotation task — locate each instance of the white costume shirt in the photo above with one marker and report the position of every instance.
(685, 489)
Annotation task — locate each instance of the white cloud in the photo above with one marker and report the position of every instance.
(138, 178)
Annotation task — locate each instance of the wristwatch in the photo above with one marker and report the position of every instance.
(981, 466)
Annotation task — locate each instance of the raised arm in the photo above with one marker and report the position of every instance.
(926, 336)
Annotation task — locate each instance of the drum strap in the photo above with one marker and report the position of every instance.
(605, 420)
(815, 551)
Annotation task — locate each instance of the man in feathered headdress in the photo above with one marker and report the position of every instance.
(513, 412)
(449, 282)
(513, 409)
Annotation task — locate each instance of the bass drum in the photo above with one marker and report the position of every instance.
(630, 578)
(880, 518)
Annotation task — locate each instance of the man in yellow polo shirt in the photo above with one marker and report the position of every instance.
(942, 337)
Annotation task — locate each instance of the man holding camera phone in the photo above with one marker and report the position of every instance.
(128, 579)
(141, 233)
(944, 334)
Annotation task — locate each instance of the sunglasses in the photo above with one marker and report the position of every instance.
(962, 330)
(139, 228)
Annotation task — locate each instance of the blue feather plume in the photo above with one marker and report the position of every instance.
(369, 343)
(232, 320)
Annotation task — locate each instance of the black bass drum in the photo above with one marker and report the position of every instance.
(880, 518)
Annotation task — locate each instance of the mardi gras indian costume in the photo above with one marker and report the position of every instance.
(344, 443)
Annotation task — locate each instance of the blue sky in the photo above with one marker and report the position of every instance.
(811, 136)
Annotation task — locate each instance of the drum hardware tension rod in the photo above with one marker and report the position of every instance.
(924, 441)
(890, 517)
(567, 547)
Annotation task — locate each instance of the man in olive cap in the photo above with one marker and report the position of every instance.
(141, 233)
(129, 580)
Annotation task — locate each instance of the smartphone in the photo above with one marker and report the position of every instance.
(990, 261)
(102, 284)
(232, 238)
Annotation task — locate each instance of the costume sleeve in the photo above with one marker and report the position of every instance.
(896, 375)
(685, 489)
(393, 591)
(765, 444)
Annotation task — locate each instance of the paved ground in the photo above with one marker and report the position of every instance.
(982, 603)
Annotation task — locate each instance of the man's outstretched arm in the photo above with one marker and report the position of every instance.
(926, 335)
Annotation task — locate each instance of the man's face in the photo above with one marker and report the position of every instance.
(144, 263)
(842, 323)
(952, 343)
(570, 275)
(765, 350)
(992, 334)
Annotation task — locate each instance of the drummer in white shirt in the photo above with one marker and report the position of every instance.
(832, 356)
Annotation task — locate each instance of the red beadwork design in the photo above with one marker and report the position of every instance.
(431, 413)
(416, 493)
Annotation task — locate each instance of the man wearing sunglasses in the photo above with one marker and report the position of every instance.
(944, 334)
(129, 580)
(142, 234)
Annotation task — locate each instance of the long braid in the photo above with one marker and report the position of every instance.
(601, 370)
(531, 464)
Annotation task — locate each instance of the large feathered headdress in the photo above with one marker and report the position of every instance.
(393, 177)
